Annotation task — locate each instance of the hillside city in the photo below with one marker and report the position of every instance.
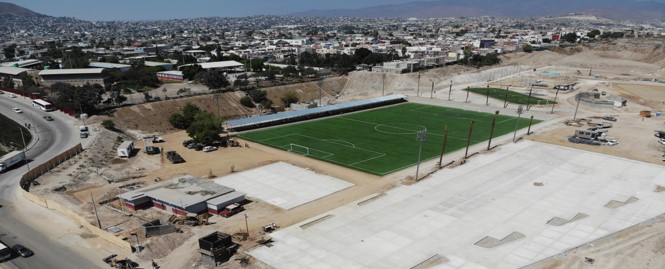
(331, 142)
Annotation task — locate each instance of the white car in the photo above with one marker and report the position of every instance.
(17, 110)
(209, 148)
(13, 95)
(661, 140)
(612, 142)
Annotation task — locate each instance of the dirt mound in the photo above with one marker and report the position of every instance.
(309, 90)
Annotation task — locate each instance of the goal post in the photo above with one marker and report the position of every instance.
(298, 149)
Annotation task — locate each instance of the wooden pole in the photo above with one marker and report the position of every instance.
(468, 140)
(99, 223)
(443, 147)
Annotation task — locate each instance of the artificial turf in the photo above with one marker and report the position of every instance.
(382, 141)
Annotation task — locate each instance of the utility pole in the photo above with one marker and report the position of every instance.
(431, 94)
(443, 147)
(468, 89)
(505, 98)
(420, 137)
(554, 103)
(528, 131)
(468, 140)
(418, 91)
(246, 226)
(528, 101)
(383, 84)
(450, 89)
(217, 96)
(489, 144)
(578, 97)
(99, 223)
(487, 96)
(25, 148)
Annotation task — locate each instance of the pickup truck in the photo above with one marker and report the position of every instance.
(231, 210)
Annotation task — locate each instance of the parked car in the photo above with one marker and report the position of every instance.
(48, 118)
(209, 148)
(23, 251)
(12, 95)
(187, 142)
(17, 110)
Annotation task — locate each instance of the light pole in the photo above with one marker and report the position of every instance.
(320, 83)
(431, 93)
(577, 106)
(554, 103)
(246, 226)
(418, 92)
(450, 89)
(420, 137)
(519, 113)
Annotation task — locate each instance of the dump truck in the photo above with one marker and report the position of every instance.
(11, 159)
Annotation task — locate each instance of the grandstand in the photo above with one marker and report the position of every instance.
(312, 113)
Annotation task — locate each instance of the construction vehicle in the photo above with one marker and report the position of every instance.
(190, 219)
(11, 159)
(269, 228)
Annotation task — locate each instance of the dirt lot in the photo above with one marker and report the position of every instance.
(99, 173)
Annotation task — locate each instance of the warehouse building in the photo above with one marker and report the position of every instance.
(121, 67)
(170, 75)
(224, 66)
(182, 195)
(164, 66)
(76, 77)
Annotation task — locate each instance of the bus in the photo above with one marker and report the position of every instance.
(43, 105)
(5, 252)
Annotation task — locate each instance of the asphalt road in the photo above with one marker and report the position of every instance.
(55, 249)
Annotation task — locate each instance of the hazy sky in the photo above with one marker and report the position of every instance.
(167, 9)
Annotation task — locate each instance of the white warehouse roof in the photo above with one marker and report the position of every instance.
(71, 71)
(222, 64)
(12, 71)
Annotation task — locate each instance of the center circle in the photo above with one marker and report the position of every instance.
(399, 128)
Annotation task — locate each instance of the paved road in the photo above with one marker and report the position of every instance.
(59, 248)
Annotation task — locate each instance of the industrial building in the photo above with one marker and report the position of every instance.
(183, 195)
(225, 66)
(76, 77)
(171, 75)
(121, 67)
(14, 74)
(31, 63)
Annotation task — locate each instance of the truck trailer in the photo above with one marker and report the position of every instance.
(11, 159)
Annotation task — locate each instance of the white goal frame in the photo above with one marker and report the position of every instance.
(291, 146)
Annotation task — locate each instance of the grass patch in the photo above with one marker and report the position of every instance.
(10, 137)
(513, 97)
(383, 141)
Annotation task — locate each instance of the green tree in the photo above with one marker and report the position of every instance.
(247, 101)
(109, 125)
(257, 64)
(258, 96)
(82, 99)
(205, 128)
(177, 120)
(212, 78)
(593, 34)
(190, 71)
(289, 98)
(570, 37)
(527, 48)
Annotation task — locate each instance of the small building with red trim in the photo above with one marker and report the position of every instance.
(170, 75)
(181, 196)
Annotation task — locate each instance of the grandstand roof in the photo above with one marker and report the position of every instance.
(300, 113)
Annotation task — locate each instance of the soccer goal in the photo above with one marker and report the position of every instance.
(298, 149)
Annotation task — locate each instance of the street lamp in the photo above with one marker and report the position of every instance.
(421, 136)
(519, 113)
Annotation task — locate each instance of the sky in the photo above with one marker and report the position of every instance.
(104, 10)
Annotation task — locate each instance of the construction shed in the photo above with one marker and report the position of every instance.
(216, 205)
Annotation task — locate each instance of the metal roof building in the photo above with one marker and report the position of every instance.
(179, 196)
(12, 71)
(122, 67)
(312, 113)
(225, 65)
(77, 77)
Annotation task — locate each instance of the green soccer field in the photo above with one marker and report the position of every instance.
(383, 140)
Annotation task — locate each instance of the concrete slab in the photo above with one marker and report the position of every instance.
(493, 195)
(284, 185)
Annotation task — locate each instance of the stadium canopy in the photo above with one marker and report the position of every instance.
(312, 113)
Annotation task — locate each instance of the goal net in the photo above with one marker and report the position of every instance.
(298, 149)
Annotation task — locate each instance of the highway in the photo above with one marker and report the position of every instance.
(23, 222)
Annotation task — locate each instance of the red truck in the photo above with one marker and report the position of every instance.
(231, 210)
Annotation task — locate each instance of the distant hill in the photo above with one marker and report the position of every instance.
(611, 9)
(15, 10)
